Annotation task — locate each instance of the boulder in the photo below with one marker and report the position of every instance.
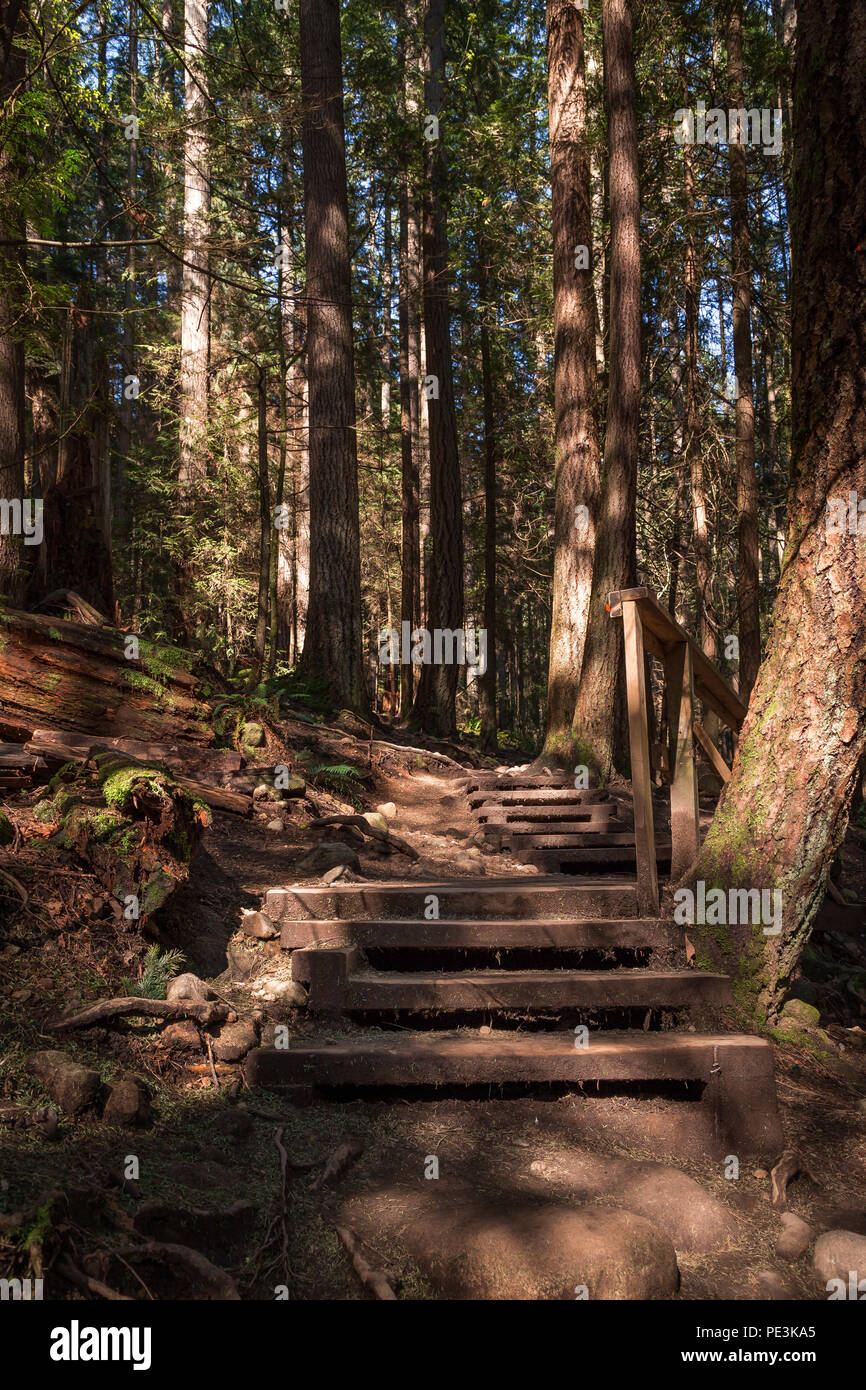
(798, 1014)
(275, 826)
(839, 1254)
(377, 820)
(695, 1221)
(325, 857)
(252, 734)
(70, 1085)
(471, 1249)
(128, 1103)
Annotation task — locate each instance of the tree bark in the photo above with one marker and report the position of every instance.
(435, 703)
(332, 648)
(596, 723)
(13, 25)
(741, 275)
(195, 310)
(487, 680)
(785, 811)
(575, 381)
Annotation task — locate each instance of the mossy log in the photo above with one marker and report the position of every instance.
(80, 678)
(133, 826)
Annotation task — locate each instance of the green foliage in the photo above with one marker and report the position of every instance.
(158, 968)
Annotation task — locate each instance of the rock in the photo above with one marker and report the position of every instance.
(798, 1014)
(183, 1036)
(262, 792)
(388, 810)
(760, 1173)
(259, 926)
(274, 825)
(69, 1085)
(252, 734)
(128, 1103)
(338, 871)
(188, 986)
(243, 960)
(235, 1040)
(470, 1249)
(377, 820)
(795, 1237)
(325, 857)
(694, 1220)
(235, 1122)
(7, 829)
(838, 1254)
(288, 993)
(456, 834)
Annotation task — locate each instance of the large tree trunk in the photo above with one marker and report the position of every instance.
(693, 443)
(12, 574)
(487, 679)
(596, 723)
(332, 649)
(575, 381)
(195, 313)
(741, 275)
(410, 367)
(435, 705)
(785, 810)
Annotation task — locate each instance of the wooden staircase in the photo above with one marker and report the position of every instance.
(541, 960)
(544, 820)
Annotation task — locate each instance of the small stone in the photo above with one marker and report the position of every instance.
(288, 993)
(338, 871)
(760, 1173)
(235, 1040)
(262, 792)
(69, 1085)
(188, 986)
(388, 810)
(259, 926)
(485, 1030)
(183, 1035)
(252, 734)
(275, 825)
(795, 1237)
(465, 864)
(376, 820)
(128, 1103)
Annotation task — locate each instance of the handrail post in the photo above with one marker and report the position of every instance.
(638, 730)
(685, 808)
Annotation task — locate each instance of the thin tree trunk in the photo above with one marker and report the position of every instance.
(13, 27)
(487, 679)
(333, 645)
(575, 373)
(596, 725)
(784, 813)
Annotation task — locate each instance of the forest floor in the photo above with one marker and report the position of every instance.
(211, 1149)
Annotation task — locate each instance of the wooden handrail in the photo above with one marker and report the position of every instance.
(662, 631)
(688, 672)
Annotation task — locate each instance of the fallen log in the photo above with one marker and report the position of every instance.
(57, 747)
(97, 680)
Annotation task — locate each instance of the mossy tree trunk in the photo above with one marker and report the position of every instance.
(785, 811)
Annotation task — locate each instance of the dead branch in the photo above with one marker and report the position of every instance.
(204, 1013)
(338, 1162)
(359, 823)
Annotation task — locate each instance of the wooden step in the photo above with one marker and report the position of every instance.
(505, 933)
(593, 818)
(535, 898)
(338, 984)
(550, 857)
(549, 796)
(499, 781)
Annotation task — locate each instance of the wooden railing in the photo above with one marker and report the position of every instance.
(647, 627)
